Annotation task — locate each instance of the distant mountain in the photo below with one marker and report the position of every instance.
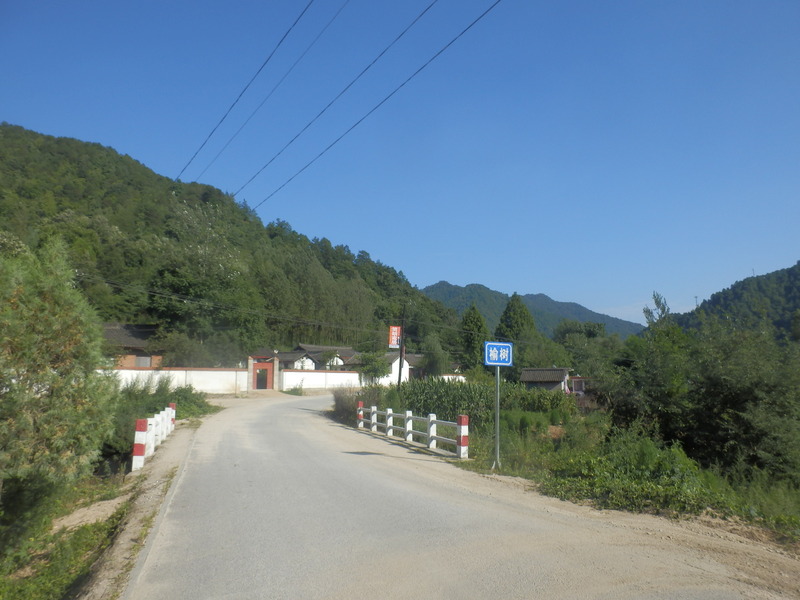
(774, 296)
(547, 313)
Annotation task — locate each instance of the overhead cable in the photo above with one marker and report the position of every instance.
(277, 85)
(376, 107)
(339, 95)
(252, 79)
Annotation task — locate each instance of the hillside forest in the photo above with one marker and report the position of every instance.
(722, 383)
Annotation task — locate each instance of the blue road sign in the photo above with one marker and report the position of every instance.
(498, 354)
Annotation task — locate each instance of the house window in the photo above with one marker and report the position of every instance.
(142, 361)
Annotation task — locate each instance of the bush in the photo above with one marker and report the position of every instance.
(631, 471)
(142, 399)
(345, 403)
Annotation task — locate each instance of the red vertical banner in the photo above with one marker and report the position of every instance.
(395, 332)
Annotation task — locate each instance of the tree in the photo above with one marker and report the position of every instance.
(654, 380)
(592, 351)
(374, 366)
(516, 322)
(474, 332)
(436, 360)
(55, 408)
(569, 327)
(531, 348)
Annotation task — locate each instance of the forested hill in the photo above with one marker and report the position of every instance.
(547, 313)
(774, 297)
(191, 260)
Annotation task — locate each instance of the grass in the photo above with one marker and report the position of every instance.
(49, 565)
(39, 564)
(582, 458)
(585, 459)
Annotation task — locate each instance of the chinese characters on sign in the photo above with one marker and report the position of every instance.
(395, 331)
(498, 354)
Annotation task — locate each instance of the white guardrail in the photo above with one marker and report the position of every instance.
(406, 429)
(150, 433)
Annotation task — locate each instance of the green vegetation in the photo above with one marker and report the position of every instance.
(474, 332)
(189, 259)
(585, 457)
(139, 400)
(56, 409)
(774, 298)
(65, 427)
(699, 411)
(38, 563)
(62, 561)
(531, 348)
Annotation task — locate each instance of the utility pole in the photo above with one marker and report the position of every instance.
(402, 348)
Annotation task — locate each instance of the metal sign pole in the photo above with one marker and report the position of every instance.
(497, 354)
(496, 464)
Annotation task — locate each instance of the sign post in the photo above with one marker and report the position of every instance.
(497, 354)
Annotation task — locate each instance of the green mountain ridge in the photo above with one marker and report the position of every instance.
(774, 297)
(547, 313)
(188, 258)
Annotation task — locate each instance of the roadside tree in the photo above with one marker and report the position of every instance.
(55, 408)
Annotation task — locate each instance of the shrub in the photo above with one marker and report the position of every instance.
(142, 399)
(345, 403)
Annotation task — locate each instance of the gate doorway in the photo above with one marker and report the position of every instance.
(263, 373)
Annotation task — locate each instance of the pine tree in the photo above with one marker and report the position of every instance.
(531, 348)
(474, 332)
(55, 408)
(516, 322)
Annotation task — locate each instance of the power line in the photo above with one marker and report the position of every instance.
(277, 85)
(377, 106)
(252, 79)
(339, 95)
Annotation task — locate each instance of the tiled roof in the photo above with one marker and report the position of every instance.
(543, 375)
(291, 356)
(342, 351)
(128, 336)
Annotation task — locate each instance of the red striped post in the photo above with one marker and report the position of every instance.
(139, 444)
(174, 408)
(360, 414)
(462, 436)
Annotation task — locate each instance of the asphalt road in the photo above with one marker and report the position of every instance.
(275, 500)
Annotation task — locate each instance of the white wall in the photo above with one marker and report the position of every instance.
(391, 378)
(290, 378)
(212, 381)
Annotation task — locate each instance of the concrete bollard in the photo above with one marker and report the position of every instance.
(139, 444)
(149, 433)
(462, 436)
(389, 422)
(431, 430)
(156, 431)
(151, 437)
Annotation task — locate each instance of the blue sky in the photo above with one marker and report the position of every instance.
(592, 151)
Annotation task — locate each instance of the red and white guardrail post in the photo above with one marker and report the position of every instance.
(139, 444)
(462, 436)
(150, 433)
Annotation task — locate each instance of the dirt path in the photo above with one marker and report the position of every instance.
(768, 570)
